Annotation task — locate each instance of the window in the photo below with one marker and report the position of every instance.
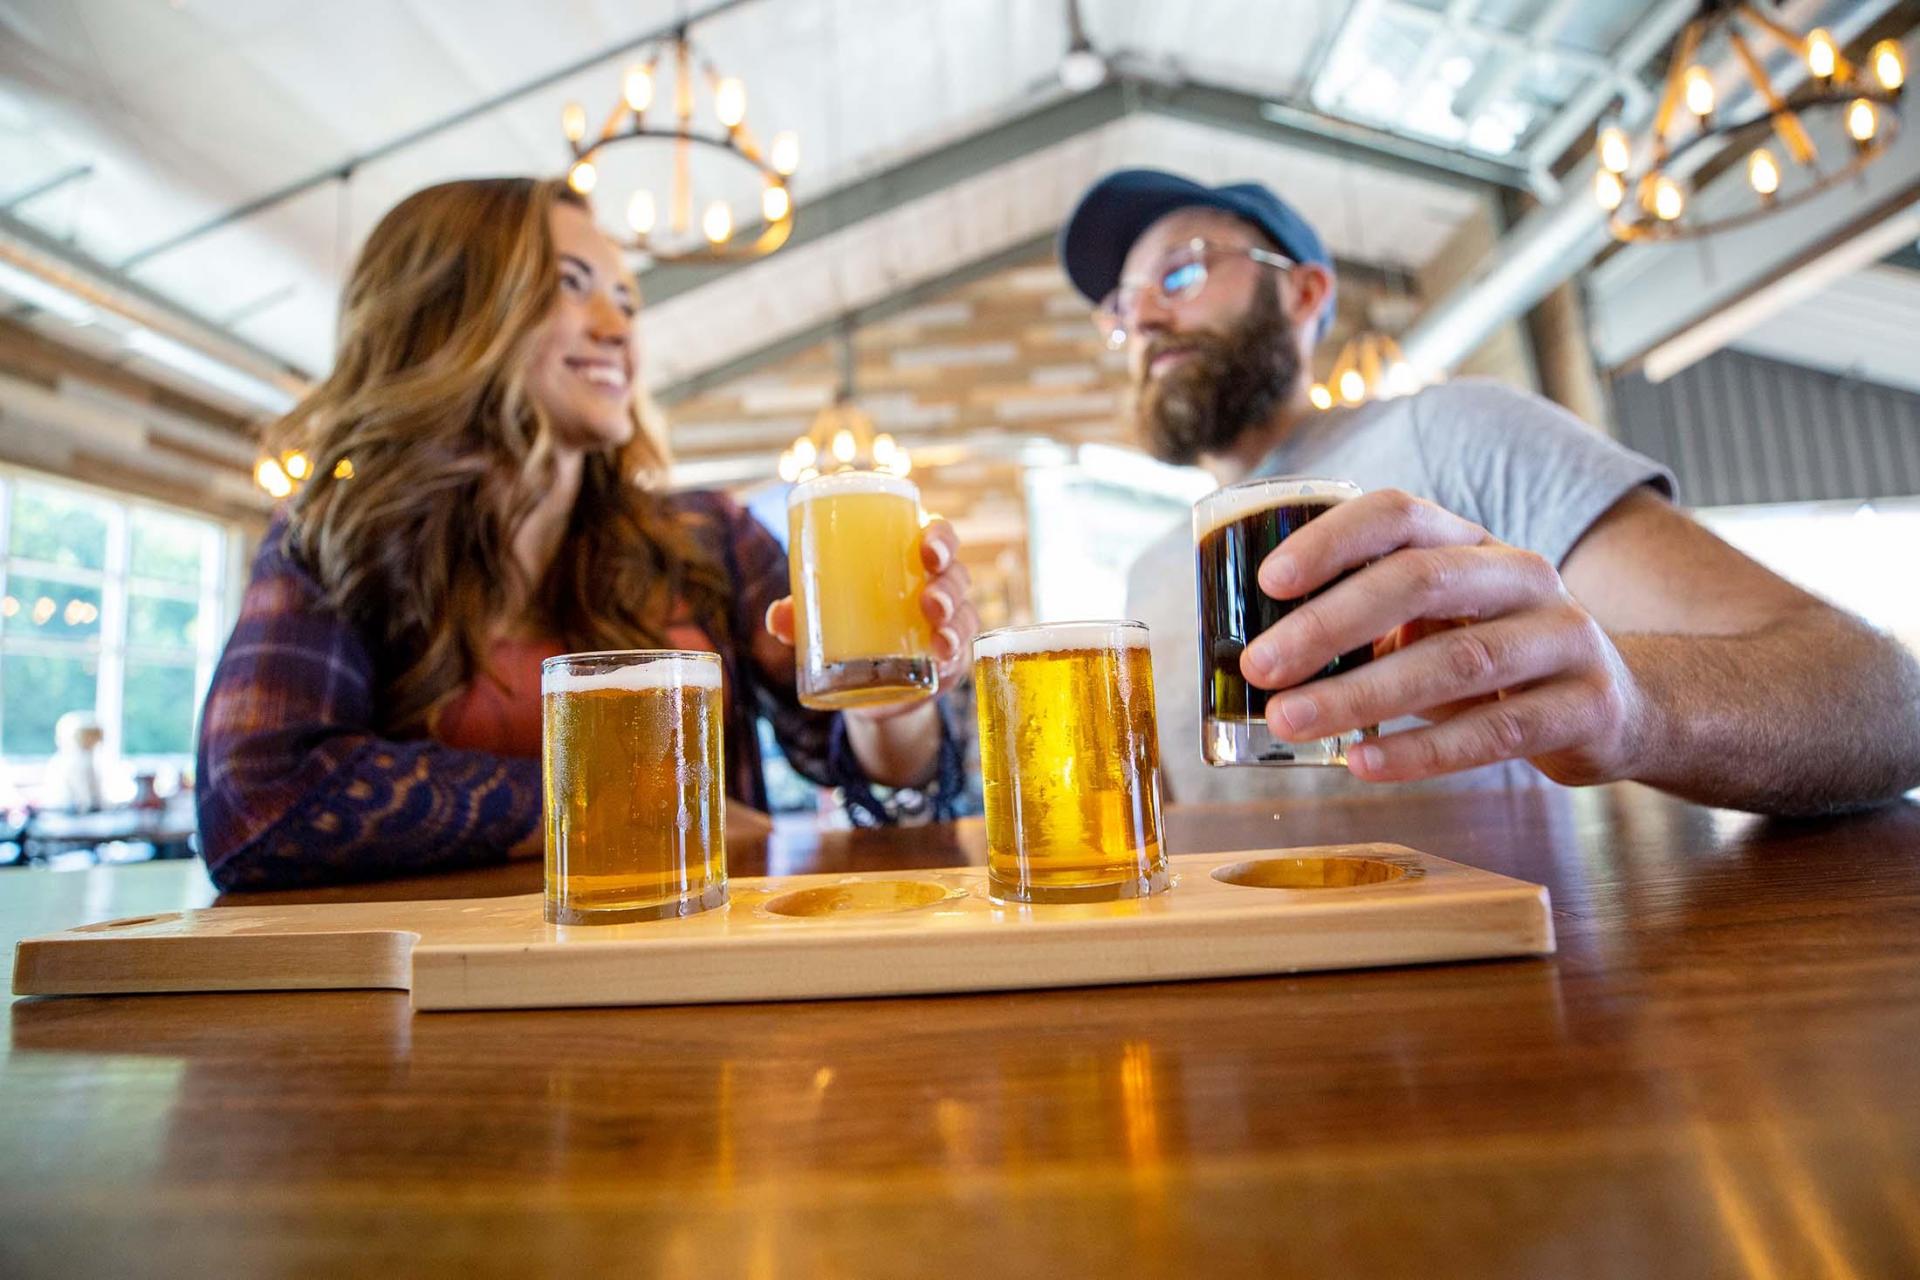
(107, 605)
(1860, 555)
(1088, 522)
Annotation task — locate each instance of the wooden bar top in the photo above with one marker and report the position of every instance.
(1718, 1074)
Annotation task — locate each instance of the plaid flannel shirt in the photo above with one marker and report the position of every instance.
(301, 784)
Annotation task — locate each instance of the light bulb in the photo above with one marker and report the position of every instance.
(786, 153)
(296, 464)
(789, 467)
(1082, 69)
(775, 203)
(1763, 172)
(638, 88)
(343, 470)
(1862, 120)
(1888, 68)
(1615, 153)
(843, 445)
(1699, 91)
(1822, 56)
(883, 449)
(717, 222)
(582, 177)
(730, 102)
(573, 122)
(1320, 396)
(640, 213)
(268, 475)
(1608, 189)
(1353, 387)
(804, 453)
(901, 463)
(1668, 202)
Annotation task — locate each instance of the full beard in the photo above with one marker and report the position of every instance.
(1230, 383)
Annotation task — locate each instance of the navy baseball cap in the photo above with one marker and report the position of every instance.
(1118, 208)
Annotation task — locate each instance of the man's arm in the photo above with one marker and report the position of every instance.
(1663, 655)
(1761, 696)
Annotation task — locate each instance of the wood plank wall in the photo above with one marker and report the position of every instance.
(1013, 356)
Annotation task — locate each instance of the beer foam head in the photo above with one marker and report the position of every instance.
(841, 483)
(671, 670)
(1059, 637)
(1224, 506)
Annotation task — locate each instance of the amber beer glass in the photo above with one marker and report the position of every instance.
(1070, 757)
(1233, 529)
(853, 552)
(635, 796)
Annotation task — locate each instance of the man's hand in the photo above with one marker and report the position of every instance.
(1479, 637)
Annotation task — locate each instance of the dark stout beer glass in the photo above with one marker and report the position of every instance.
(1233, 530)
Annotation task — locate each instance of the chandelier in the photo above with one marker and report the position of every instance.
(1370, 366)
(1652, 204)
(628, 122)
(281, 475)
(841, 436)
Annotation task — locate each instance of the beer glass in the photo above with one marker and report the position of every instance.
(635, 796)
(1233, 529)
(853, 551)
(1070, 757)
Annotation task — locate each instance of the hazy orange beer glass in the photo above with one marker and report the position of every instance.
(853, 552)
(635, 794)
(1070, 758)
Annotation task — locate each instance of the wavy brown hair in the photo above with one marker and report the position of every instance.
(447, 456)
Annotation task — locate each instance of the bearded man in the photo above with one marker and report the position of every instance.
(1535, 593)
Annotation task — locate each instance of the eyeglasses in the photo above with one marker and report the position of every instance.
(1180, 276)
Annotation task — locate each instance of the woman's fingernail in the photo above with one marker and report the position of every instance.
(942, 557)
(1299, 711)
(1369, 757)
(949, 638)
(942, 604)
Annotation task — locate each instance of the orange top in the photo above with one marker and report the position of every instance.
(501, 714)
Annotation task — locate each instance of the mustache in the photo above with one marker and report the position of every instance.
(1178, 344)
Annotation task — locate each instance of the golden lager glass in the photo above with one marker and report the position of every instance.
(1070, 757)
(635, 794)
(853, 551)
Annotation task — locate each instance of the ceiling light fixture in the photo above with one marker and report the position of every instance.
(1082, 68)
(712, 239)
(1653, 204)
(841, 437)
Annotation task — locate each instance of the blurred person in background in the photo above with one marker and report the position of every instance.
(73, 776)
(1534, 593)
(479, 502)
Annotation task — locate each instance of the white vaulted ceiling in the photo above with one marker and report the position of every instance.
(184, 110)
(1365, 215)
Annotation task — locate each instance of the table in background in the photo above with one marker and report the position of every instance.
(167, 830)
(1718, 1074)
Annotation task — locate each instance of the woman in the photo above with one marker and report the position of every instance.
(474, 507)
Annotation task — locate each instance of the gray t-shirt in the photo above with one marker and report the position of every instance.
(1524, 469)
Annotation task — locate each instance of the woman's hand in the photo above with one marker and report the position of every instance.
(944, 601)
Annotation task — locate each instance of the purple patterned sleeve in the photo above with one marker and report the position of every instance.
(296, 787)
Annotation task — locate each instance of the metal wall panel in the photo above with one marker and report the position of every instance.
(1740, 428)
